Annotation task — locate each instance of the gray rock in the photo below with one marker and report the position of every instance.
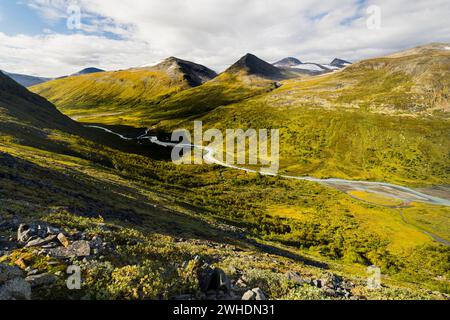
(331, 281)
(330, 292)
(32, 231)
(40, 280)
(249, 295)
(79, 248)
(15, 289)
(259, 294)
(40, 241)
(8, 273)
(294, 277)
(254, 294)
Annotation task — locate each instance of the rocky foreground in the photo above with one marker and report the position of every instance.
(38, 258)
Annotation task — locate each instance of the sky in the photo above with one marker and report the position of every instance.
(58, 37)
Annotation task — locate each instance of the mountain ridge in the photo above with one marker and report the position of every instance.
(252, 65)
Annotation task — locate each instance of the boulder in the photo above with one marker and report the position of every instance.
(294, 277)
(254, 294)
(27, 232)
(249, 295)
(40, 241)
(15, 289)
(259, 294)
(41, 280)
(8, 273)
(79, 248)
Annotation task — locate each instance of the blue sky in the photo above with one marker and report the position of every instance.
(117, 34)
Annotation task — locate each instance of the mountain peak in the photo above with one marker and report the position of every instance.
(287, 62)
(87, 71)
(195, 74)
(255, 66)
(340, 63)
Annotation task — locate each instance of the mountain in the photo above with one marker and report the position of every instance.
(160, 230)
(87, 71)
(194, 74)
(287, 62)
(252, 65)
(25, 107)
(26, 80)
(339, 124)
(295, 66)
(339, 63)
(117, 97)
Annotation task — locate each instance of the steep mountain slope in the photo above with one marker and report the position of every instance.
(252, 65)
(294, 65)
(170, 92)
(25, 80)
(287, 62)
(383, 119)
(155, 219)
(340, 63)
(87, 71)
(123, 93)
(23, 107)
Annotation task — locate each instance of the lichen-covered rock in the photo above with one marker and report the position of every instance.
(254, 294)
(8, 273)
(79, 248)
(40, 241)
(294, 277)
(40, 280)
(15, 289)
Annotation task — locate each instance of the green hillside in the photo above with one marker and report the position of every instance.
(158, 219)
(382, 119)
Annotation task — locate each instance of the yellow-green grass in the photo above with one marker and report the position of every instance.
(375, 198)
(433, 219)
(140, 97)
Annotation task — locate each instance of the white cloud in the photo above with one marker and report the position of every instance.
(216, 33)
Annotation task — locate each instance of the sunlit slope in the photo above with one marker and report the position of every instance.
(415, 82)
(48, 172)
(382, 119)
(122, 94)
(147, 98)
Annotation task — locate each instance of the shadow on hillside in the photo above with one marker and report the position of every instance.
(88, 196)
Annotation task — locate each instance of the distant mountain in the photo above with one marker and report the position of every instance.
(195, 74)
(27, 108)
(253, 65)
(124, 91)
(295, 66)
(287, 62)
(26, 80)
(339, 63)
(87, 71)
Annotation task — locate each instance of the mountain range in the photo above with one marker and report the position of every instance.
(29, 81)
(160, 230)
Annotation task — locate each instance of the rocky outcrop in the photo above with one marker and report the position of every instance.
(12, 284)
(254, 294)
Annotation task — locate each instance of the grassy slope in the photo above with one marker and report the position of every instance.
(380, 119)
(333, 142)
(46, 170)
(145, 98)
(175, 201)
